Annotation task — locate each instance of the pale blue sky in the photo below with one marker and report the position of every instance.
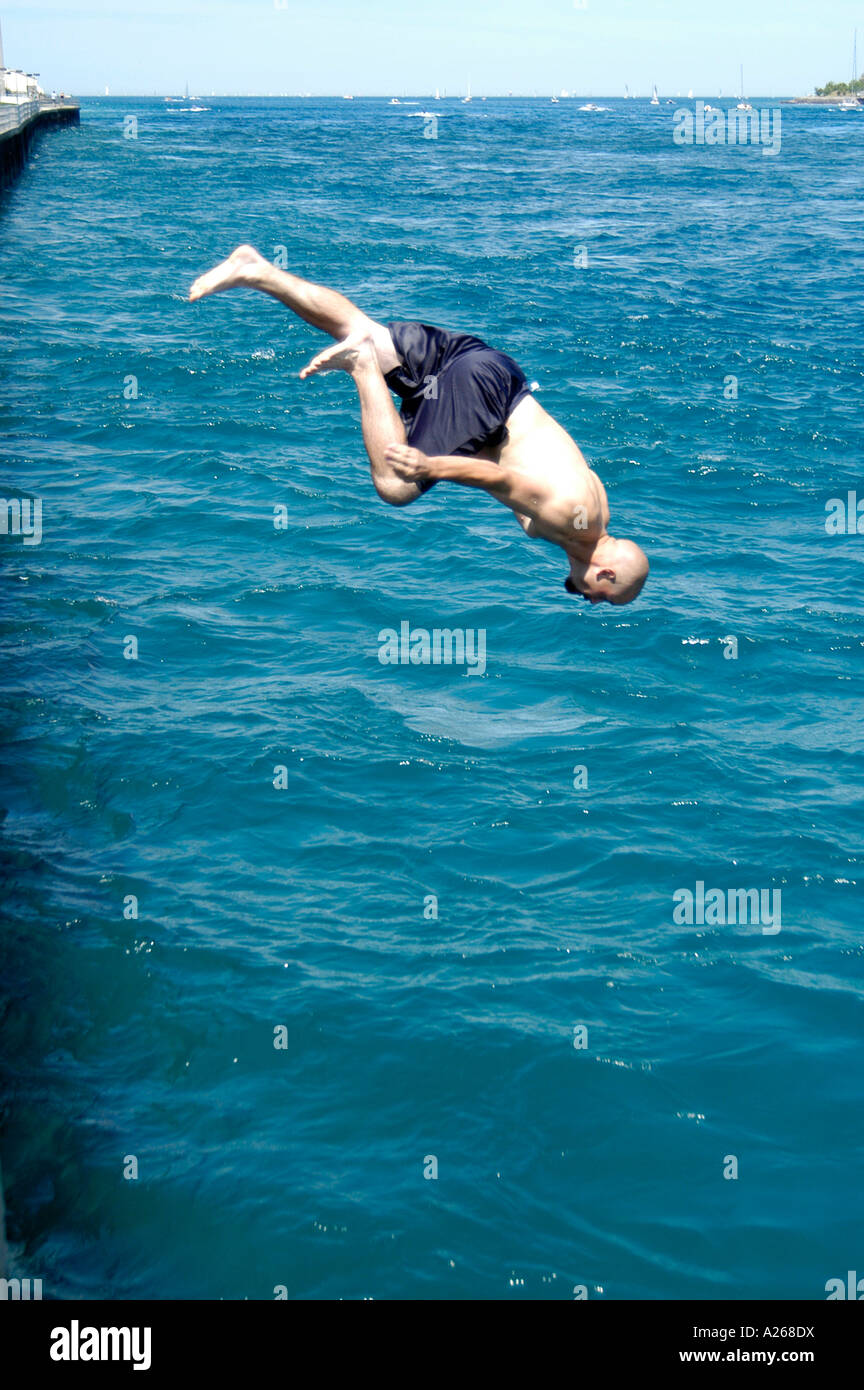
(382, 47)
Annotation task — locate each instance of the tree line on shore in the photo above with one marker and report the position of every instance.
(841, 89)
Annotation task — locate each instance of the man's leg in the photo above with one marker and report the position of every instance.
(323, 308)
(382, 427)
(364, 350)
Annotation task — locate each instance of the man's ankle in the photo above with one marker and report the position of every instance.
(366, 359)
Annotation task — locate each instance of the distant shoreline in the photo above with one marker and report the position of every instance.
(821, 101)
(457, 97)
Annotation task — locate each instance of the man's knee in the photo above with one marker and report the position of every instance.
(396, 493)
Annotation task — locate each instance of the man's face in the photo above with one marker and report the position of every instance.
(592, 590)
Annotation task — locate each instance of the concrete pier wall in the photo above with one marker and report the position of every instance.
(20, 125)
(4, 1253)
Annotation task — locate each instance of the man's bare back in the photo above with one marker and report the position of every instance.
(541, 474)
(520, 456)
(568, 491)
(549, 484)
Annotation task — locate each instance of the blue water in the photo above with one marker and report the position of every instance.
(303, 908)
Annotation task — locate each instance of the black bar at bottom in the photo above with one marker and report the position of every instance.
(166, 1339)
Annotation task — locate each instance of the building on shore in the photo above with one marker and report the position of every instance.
(18, 87)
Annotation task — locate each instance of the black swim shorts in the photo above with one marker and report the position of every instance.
(456, 391)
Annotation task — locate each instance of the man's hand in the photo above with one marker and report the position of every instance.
(409, 464)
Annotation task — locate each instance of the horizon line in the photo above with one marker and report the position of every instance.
(430, 96)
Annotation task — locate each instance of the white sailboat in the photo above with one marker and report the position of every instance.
(468, 96)
(743, 104)
(178, 101)
(187, 103)
(851, 103)
(655, 100)
(437, 94)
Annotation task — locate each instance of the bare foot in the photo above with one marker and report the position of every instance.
(239, 269)
(409, 464)
(342, 357)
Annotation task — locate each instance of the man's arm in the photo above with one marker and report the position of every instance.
(515, 490)
(470, 472)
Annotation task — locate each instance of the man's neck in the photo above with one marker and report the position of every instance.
(589, 551)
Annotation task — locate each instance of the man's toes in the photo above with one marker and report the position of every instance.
(312, 367)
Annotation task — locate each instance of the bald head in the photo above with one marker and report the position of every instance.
(631, 570)
(615, 572)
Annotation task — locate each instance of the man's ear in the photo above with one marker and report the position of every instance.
(606, 574)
